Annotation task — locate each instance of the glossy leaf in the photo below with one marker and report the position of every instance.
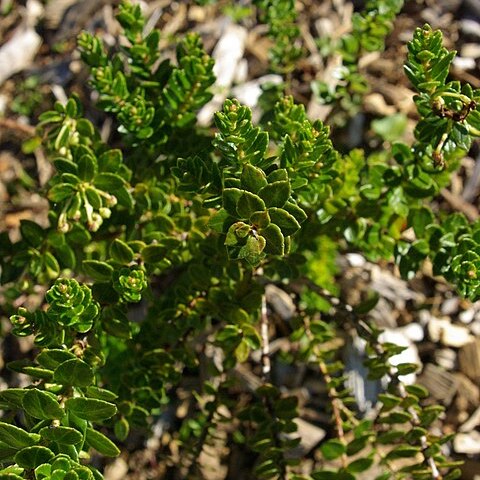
(42, 405)
(90, 409)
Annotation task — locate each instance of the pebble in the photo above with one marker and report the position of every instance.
(450, 306)
(467, 316)
(310, 435)
(448, 334)
(464, 63)
(355, 259)
(248, 93)
(470, 27)
(470, 50)
(446, 358)
(17, 53)
(475, 328)
(414, 332)
(472, 422)
(116, 470)
(467, 443)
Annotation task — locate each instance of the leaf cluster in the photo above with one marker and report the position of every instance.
(162, 250)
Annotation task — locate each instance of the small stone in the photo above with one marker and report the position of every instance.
(446, 358)
(116, 470)
(413, 331)
(248, 93)
(355, 259)
(467, 443)
(470, 50)
(467, 315)
(464, 63)
(472, 422)
(450, 335)
(470, 27)
(310, 435)
(475, 328)
(450, 306)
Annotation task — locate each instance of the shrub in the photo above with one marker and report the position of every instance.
(193, 227)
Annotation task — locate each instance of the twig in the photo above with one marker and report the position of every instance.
(337, 404)
(458, 203)
(10, 124)
(266, 364)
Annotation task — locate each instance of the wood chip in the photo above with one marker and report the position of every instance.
(469, 360)
(441, 384)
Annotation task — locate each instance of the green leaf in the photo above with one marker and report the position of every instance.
(389, 401)
(248, 203)
(242, 352)
(61, 192)
(333, 449)
(121, 429)
(100, 271)
(63, 165)
(32, 232)
(368, 304)
(100, 393)
(109, 182)
(41, 404)
(62, 435)
(417, 390)
(294, 210)
(10, 476)
(420, 219)
(32, 457)
(252, 250)
(252, 178)
(124, 197)
(24, 366)
(403, 451)
(87, 168)
(51, 358)
(274, 238)
(325, 475)
(360, 465)
(110, 160)
(13, 396)
(260, 219)
(91, 409)
(51, 265)
(220, 221)
(101, 443)
(230, 198)
(31, 144)
(15, 437)
(74, 372)
(287, 222)
(390, 128)
(407, 368)
(154, 253)
(275, 194)
(121, 252)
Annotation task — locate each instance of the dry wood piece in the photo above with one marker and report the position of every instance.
(469, 360)
(442, 384)
(468, 394)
